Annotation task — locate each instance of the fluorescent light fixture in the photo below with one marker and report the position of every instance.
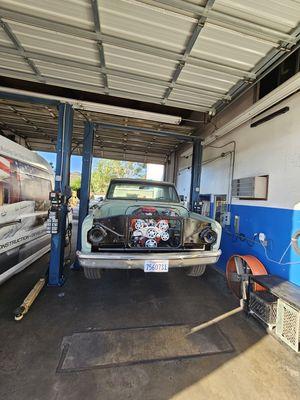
(281, 92)
(126, 112)
(100, 108)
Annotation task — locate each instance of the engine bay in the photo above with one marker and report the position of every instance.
(150, 229)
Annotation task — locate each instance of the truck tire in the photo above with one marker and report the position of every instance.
(196, 270)
(92, 273)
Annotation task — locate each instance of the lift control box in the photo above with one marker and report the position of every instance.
(57, 199)
(52, 222)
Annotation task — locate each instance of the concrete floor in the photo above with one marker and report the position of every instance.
(258, 368)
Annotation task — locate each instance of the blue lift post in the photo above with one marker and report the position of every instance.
(196, 174)
(62, 179)
(87, 159)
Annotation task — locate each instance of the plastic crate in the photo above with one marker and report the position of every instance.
(263, 305)
(288, 325)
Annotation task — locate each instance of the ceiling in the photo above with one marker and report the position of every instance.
(119, 138)
(187, 54)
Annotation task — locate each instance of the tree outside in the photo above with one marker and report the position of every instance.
(75, 180)
(108, 169)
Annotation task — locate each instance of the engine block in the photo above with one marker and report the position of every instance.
(153, 229)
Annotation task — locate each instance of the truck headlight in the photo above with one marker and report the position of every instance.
(96, 235)
(208, 236)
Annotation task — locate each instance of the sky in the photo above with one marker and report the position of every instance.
(75, 160)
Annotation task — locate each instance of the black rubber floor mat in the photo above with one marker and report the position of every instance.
(126, 346)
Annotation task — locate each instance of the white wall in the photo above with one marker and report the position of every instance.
(183, 183)
(272, 148)
(212, 183)
(183, 174)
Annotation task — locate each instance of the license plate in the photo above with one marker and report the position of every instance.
(156, 266)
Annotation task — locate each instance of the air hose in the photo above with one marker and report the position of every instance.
(295, 242)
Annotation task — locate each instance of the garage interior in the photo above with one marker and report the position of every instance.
(153, 82)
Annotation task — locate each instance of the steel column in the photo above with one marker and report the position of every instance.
(62, 178)
(196, 174)
(87, 158)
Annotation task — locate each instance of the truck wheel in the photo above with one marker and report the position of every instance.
(92, 273)
(196, 270)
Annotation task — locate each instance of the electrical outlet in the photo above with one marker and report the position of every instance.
(263, 239)
(226, 217)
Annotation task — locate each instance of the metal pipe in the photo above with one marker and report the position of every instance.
(210, 160)
(214, 321)
(87, 159)
(29, 299)
(233, 152)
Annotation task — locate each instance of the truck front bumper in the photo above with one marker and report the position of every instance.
(110, 260)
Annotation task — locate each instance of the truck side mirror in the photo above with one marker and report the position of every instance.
(181, 198)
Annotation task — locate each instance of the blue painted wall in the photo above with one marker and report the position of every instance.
(278, 224)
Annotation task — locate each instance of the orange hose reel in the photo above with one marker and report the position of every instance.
(253, 263)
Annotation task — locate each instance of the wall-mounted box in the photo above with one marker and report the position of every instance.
(254, 187)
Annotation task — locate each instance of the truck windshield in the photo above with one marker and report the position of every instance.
(138, 191)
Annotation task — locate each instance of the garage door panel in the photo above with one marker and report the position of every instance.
(147, 46)
(139, 63)
(14, 63)
(55, 43)
(74, 13)
(69, 73)
(144, 23)
(4, 39)
(282, 16)
(133, 86)
(193, 75)
(191, 97)
(234, 49)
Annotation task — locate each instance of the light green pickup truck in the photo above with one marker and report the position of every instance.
(141, 224)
